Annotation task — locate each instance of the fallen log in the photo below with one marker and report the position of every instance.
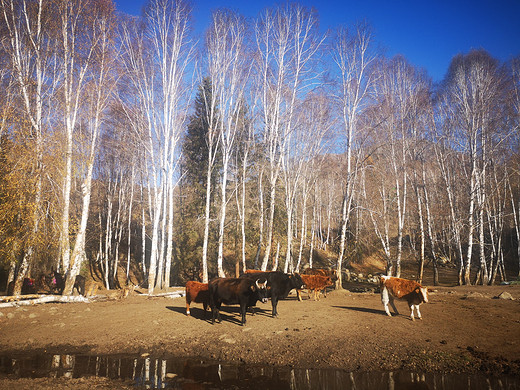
(172, 294)
(20, 297)
(43, 299)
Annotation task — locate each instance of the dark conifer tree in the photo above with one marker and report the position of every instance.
(195, 156)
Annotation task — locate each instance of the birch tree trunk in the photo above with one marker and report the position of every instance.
(101, 89)
(261, 216)
(352, 54)
(79, 42)
(31, 55)
(228, 70)
(473, 89)
(287, 41)
(157, 53)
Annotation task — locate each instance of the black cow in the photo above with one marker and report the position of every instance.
(79, 285)
(56, 283)
(232, 291)
(279, 285)
(28, 287)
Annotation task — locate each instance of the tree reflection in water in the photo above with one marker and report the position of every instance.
(148, 372)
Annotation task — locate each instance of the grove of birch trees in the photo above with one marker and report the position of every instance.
(133, 149)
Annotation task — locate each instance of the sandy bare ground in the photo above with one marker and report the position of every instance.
(464, 330)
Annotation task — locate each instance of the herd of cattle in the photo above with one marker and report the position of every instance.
(254, 286)
(54, 282)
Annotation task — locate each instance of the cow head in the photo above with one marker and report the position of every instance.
(261, 289)
(296, 281)
(424, 292)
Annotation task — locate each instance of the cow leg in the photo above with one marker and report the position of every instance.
(411, 312)
(205, 308)
(393, 304)
(188, 308)
(243, 310)
(215, 311)
(274, 303)
(299, 294)
(216, 314)
(418, 312)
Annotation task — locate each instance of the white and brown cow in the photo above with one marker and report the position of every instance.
(412, 292)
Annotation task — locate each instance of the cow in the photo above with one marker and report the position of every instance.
(315, 283)
(320, 271)
(79, 284)
(56, 283)
(279, 285)
(233, 291)
(197, 292)
(410, 291)
(28, 287)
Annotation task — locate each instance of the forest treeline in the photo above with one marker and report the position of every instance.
(131, 143)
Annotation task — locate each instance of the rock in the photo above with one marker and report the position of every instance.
(473, 295)
(505, 295)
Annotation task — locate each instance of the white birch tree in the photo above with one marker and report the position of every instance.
(99, 88)
(287, 41)
(354, 57)
(228, 69)
(473, 86)
(31, 54)
(157, 55)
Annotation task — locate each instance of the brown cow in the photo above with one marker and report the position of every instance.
(315, 283)
(412, 292)
(323, 272)
(197, 292)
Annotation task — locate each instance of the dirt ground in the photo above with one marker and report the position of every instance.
(464, 329)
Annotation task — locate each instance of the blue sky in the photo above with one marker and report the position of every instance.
(427, 33)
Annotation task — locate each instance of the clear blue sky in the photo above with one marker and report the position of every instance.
(427, 33)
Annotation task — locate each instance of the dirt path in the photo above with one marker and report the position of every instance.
(464, 329)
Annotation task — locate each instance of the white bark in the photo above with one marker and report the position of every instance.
(287, 42)
(228, 69)
(156, 59)
(31, 54)
(34, 300)
(101, 89)
(74, 68)
(353, 57)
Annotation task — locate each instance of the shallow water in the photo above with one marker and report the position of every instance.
(147, 372)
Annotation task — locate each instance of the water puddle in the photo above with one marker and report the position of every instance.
(147, 372)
